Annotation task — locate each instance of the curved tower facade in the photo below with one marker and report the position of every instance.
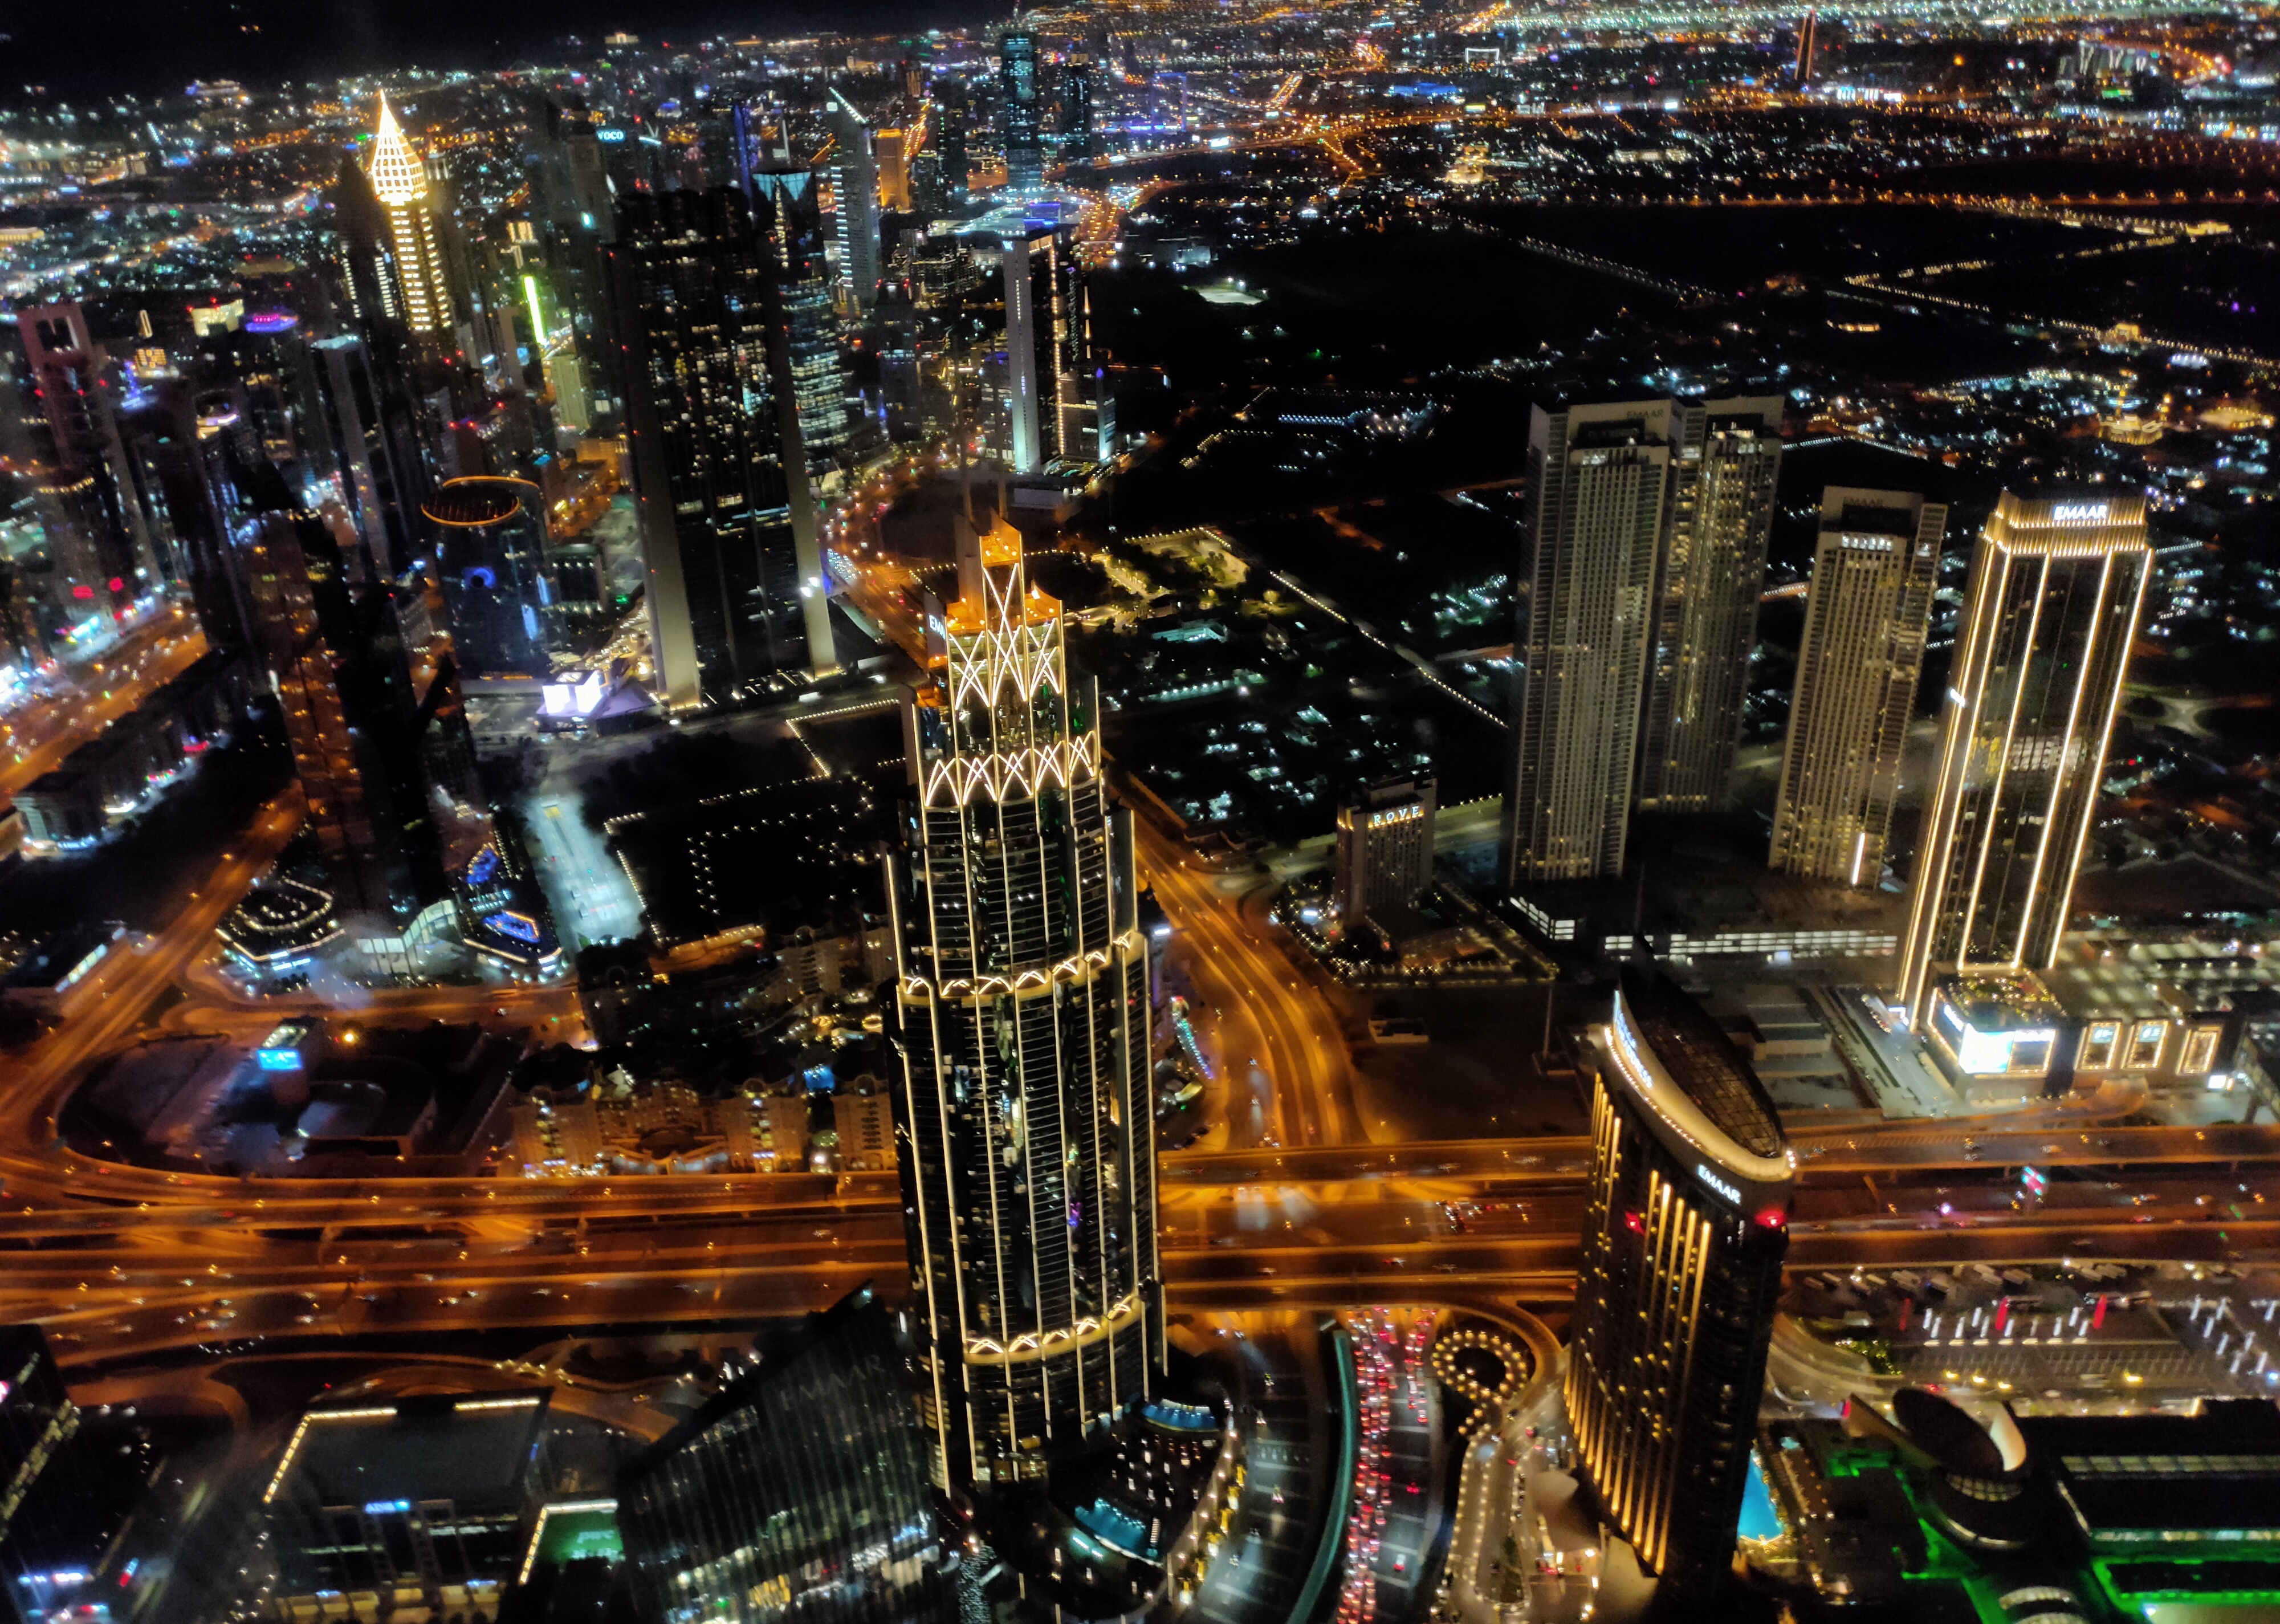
(1019, 1014)
(1683, 1236)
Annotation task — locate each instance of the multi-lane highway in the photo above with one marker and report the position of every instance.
(36, 736)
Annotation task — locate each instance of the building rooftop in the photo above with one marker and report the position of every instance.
(1702, 1060)
(460, 1446)
(2166, 1476)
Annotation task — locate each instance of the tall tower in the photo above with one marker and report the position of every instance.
(2057, 587)
(729, 528)
(1021, 114)
(1020, 1018)
(784, 203)
(401, 185)
(1684, 1229)
(1712, 569)
(1599, 475)
(855, 202)
(1874, 569)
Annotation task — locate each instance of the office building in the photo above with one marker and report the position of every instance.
(789, 215)
(1384, 855)
(854, 203)
(1874, 569)
(1078, 79)
(1021, 1023)
(1711, 570)
(366, 445)
(64, 1492)
(65, 429)
(735, 588)
(1599, 477)
(1684, 1229)
(490, 547)
(421, 1501)
(797, 1491)
(1021, 114)
(422, 285)
(952, 163)
(2057, 588)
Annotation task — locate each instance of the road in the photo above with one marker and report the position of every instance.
(1264, 1007)
(677, 1250)
(36, 736)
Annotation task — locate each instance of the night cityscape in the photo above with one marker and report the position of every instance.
(1215, 812)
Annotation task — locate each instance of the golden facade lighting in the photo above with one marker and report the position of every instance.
(2058, 588)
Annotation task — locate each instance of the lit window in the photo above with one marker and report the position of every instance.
(2200, 1050)
(2146, 1045)
(2098, 1047)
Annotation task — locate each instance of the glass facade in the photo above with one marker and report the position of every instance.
(729, 524)
(1020, 1020)
(799, 1491)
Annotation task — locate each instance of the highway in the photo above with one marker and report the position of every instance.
(36, 736)
(1264, 1007)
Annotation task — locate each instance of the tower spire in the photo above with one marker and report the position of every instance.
(397, 176)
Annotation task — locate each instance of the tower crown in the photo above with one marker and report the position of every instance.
(396, 176)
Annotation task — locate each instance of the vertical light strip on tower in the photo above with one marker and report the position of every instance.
(1020, 1020)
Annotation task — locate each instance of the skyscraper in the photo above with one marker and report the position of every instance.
(784, 204)
(367, 445)
(70, 437)
(799, 1490)
(1021, 114)
(2057, 588)
(1684, 1229)
(1711, 570)
(1077, 80)
(310, 639)
(855, 202)
(1874, 569)
(729, 524)
(1020, 1020)
(1598, 476)
(401, 184)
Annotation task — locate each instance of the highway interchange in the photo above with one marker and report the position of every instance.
(122, 1262)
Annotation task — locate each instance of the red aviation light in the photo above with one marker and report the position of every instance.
(1773, 1218)
(1636, 1222)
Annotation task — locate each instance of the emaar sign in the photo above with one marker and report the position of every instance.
(2078, 513)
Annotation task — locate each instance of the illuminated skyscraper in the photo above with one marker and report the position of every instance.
(1021, 114)
(784, 203)
(2057, 588)
(1020, 1018)
(1598, 476)
(855, 202)
(401, 185)
(728, 524)
(1684, 1236)
(1711, 570)
(1873, 574)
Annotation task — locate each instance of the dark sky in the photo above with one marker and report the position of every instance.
(85, 47)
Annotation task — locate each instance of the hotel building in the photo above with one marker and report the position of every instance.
(2057, 589)
(1020, 1020)
(1684, 1236)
